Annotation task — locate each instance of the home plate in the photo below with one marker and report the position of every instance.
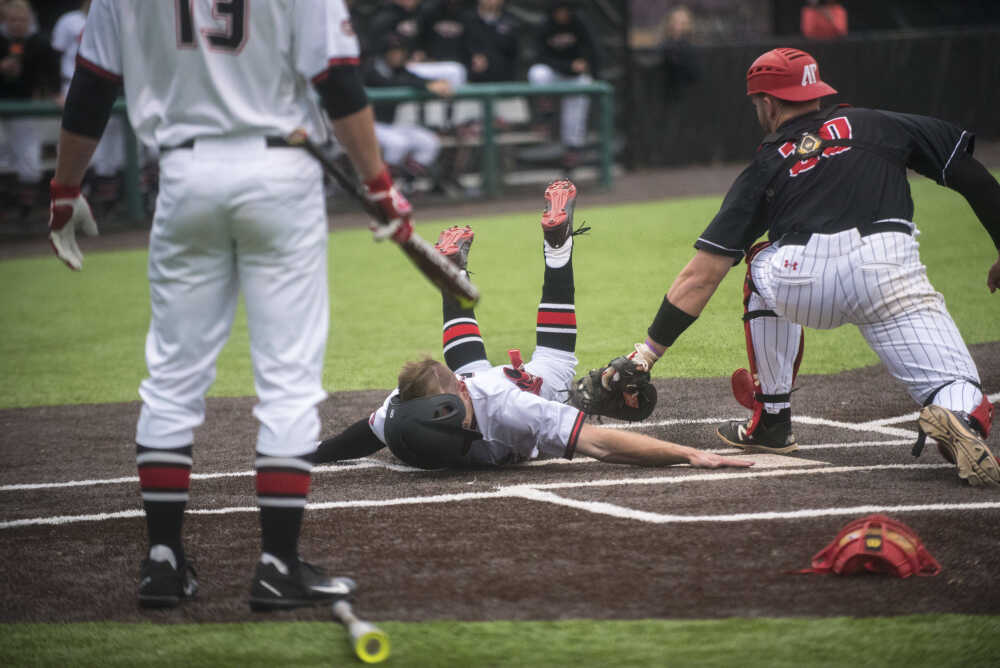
(768, 461)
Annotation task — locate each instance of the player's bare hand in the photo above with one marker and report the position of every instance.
(68, 210)
(480, 63)
(993, 277)
(579, 66)
(441, 88)
(710, 460)
(396, 210)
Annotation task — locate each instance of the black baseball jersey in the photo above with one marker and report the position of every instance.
(856, 177)
(559, 44)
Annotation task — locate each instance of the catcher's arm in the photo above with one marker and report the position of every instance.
(618, 446)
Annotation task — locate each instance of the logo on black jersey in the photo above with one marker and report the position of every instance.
(809, 145)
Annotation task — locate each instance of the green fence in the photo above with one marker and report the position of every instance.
(487, 94)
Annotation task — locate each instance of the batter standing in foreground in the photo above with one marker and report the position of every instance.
(217, 87)
(829, 187)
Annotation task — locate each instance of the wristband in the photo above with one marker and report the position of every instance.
(62, 191)
(380, 182)
(669, 323)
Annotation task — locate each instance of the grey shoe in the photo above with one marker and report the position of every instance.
(966, 448)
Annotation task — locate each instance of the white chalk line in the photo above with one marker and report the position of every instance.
(351, 465)
(876, 426)
(514, 491)
(603, 508)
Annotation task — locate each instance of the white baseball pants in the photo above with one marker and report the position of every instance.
(235, 216)
(401, 139)
(21, 148)
(876, 282)
(573, 116)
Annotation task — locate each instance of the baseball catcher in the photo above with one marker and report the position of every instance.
(471, 414)
(828, 185)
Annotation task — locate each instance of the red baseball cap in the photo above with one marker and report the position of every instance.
(787, 74)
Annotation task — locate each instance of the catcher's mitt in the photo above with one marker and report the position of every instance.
(619, 390)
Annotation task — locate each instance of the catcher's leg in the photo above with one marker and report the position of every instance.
(774, 351)
(461, 340)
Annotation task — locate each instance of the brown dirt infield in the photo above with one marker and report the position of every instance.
(507, 557)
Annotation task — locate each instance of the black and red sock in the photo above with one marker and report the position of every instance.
(282, 488)
(461, 340)
(165, 482)
(556, 324)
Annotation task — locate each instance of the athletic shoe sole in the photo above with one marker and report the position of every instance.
(751, 447)
(454, 244)
(975, 462)
(560, 199)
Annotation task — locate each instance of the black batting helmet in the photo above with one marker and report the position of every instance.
(427, 432)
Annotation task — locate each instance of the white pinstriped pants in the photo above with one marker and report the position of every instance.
(877, 283)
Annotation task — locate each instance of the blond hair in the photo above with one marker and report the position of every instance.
(425, 378)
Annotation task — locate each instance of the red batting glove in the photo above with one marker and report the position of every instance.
(397, 210)
(68, 210)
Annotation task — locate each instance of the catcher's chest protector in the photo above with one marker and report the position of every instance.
(875, 544)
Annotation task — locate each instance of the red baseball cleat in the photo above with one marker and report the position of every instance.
(454, 243)
(557, 218)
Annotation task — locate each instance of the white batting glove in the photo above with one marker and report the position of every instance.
(396, 210)
(643, 357)
(68, 210)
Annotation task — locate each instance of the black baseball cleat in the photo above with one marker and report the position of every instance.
(283, 585)
(777, 439)
(962, 445)
(164, 583)
(454, 243)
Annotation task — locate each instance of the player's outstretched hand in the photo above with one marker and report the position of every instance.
(710, 460)
(396, 211)
(68, 210)
(993, 277)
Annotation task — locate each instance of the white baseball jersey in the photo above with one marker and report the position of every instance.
(66, 38)
(232, 68)
(510, 418)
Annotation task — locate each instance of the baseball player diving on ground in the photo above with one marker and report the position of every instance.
(829, 186)
(471, 414)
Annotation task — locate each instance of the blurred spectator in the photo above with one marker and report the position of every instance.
(493, 42)
(568, 51)
(28, 70)
(109, 157)
(410, 150)
(442, 32)
(405, 19)
(824, 19)
(680, 61)
(400, 18)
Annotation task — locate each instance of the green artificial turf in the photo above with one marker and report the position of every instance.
(78, 337)
(934, 641)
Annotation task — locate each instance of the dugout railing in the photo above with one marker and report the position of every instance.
(486, 94)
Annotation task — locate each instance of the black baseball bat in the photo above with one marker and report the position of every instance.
(432, 264)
